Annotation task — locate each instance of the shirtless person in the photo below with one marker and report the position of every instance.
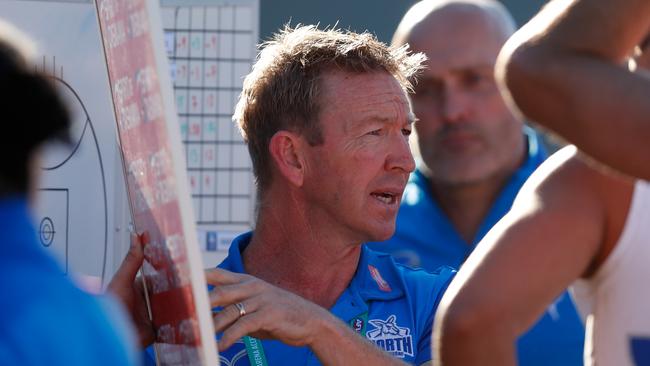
(576, 219)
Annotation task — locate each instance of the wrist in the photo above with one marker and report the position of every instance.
(326, 331)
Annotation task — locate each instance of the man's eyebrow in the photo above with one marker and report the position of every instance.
(411, 118)
(472, 67)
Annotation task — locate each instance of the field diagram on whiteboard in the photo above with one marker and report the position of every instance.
(75, 236)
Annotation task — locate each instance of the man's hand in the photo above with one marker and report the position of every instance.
(273, 313)
(130, 290)
(269, 312)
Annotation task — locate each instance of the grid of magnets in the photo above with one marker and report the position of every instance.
(211, 49)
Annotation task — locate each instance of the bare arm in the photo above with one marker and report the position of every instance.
(552, 236)
(564, 70)
(273, 313)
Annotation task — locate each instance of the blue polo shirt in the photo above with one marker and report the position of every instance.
(388, 303)
(425, 237)
(45, 319)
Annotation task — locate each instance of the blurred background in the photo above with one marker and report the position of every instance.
(377, 16)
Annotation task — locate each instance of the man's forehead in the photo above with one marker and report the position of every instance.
(357, 97)
(462, 51)
(382, 117)
(340, 84)
(439, 69)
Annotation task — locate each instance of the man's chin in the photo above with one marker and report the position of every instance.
(384, 234)
(462, 177)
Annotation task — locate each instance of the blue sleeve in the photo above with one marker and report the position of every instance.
(71, 329)
(149, 356)
(444, 277)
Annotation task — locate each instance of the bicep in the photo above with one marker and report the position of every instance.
(601, 108)
(592, 102)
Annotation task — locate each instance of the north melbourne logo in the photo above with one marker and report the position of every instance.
(390, 337)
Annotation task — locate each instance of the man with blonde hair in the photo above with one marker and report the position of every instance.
(326, 117)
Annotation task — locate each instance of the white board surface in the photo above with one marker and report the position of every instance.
(81, 201)
(83, 215)
(157, 181)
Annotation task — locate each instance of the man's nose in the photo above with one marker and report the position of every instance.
(400, 156)
(455, 105)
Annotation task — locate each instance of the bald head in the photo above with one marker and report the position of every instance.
(466, 134)
(449, 15)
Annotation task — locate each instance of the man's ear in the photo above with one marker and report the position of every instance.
(287, 154)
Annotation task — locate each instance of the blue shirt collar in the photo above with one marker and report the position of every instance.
(536, 155)
(234, 261)
(376, 277)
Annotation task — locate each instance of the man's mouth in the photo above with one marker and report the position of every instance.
(385, 197)
(459, 138)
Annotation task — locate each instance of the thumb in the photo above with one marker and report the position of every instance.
(132, 261)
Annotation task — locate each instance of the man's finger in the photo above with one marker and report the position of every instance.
(243, 326)
(223, 295)
(218, 276)
(232, 313)
(132, 262)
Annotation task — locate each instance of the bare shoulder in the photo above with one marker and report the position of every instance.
(577, 192)
(570, 175)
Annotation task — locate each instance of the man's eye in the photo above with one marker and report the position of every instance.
(375, 132)
(406, 131)
(428, 90)
(474, 80)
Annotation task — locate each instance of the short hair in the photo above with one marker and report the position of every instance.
(32, 110)
(283, 91)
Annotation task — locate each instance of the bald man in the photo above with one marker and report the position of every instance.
(574, 222)
(473, 156)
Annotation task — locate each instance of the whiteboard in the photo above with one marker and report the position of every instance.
(157, 182)
(80, 216)
(83, 216)
(211, 46)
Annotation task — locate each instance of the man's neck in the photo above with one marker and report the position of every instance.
(467, 205)
(288, 252)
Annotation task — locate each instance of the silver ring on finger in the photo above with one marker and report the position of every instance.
(241, 309)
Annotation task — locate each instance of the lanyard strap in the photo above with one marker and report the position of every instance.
(358, 323)
(255, 350)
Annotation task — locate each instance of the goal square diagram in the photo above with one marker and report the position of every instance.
(52, 222)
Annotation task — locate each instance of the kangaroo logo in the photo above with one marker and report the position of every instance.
(390, 337)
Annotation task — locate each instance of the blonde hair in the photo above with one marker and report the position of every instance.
(283, 90)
